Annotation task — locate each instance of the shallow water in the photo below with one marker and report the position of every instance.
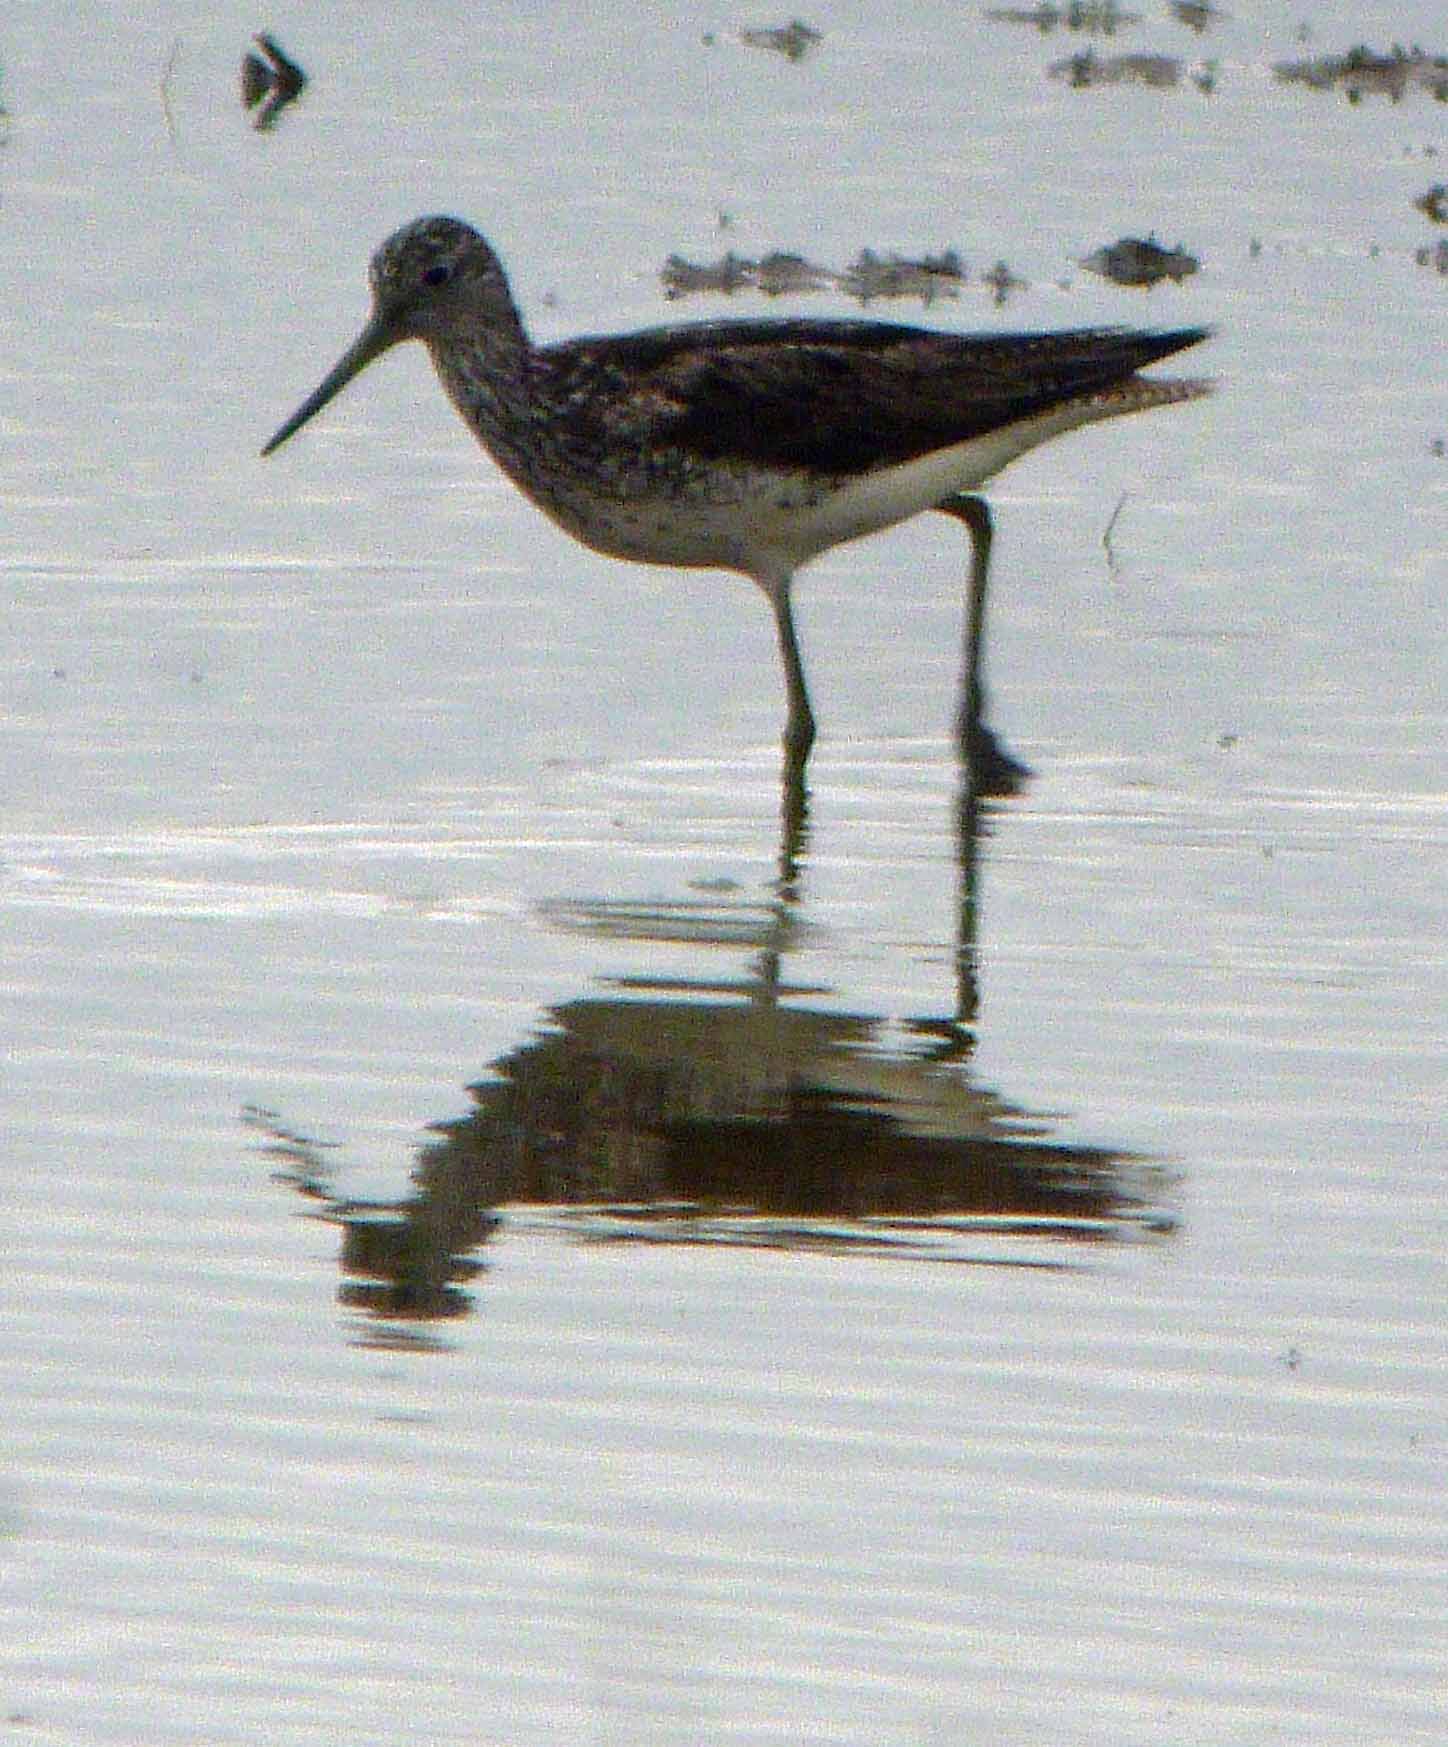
(513, 1238)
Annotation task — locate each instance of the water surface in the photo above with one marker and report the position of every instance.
(512, 1237)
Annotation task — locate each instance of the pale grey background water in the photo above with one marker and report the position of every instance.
(312, 769)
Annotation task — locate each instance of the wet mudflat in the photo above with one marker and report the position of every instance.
(515, 1235)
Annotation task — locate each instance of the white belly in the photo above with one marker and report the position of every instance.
(766, 523)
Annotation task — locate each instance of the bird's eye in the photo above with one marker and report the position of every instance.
(439, 274)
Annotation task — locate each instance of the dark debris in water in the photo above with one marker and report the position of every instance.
(269, 81)
(1362, 72)
(1161, 72)
(868, 277)
(1434, 204)
(1101, 17)
(778, 274)
(730, 273)
(1140, 261)
(793, 40)
(1002, 282)
(1094, 17)
(1434, 255)
(1197, 15)
(775, 274)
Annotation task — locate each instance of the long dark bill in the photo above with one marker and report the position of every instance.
(374, 339)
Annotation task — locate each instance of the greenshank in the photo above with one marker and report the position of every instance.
(750, 446)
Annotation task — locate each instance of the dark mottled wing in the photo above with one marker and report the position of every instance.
(839, 397)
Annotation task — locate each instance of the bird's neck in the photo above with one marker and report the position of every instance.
(484, 367)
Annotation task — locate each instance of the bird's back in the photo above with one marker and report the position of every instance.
(833, 397)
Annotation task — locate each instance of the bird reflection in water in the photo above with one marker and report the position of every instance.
(742, 1110)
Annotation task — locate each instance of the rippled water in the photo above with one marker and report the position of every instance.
(520, 1229)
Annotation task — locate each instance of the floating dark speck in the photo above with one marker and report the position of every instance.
(1002, 282)
(1162, 72)
(1197, 15)
(1362, 72)
(793, 40)
(1140, 261)
(779, 273)
(271, 79)
(868, 277)
(1102, 17)
(1434, 204)
(729, 274)
(256, 80)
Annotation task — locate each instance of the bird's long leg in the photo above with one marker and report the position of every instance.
(975, 513)
(799, 727)
(992, 769)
